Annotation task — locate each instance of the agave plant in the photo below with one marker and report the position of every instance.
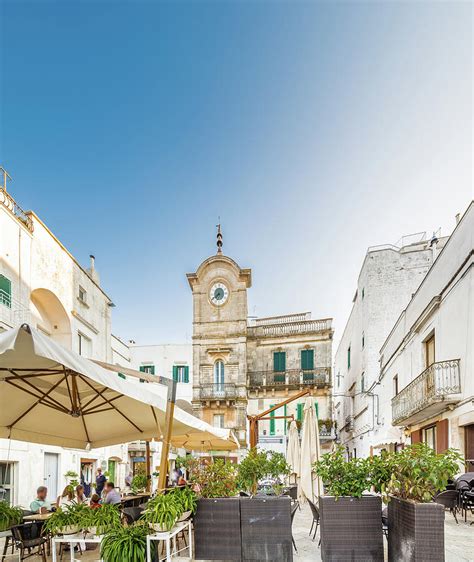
(125, 543)
(9, 515)
(163, 511)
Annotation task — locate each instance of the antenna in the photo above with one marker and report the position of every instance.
(6, 177)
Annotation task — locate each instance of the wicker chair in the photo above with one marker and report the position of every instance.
(29, 541)
(315, 514)
(294, 509)
(449, 498)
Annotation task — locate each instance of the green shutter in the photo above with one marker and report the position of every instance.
(122, 376)
(349, 357)
(284, 421)
(272, 421)
(307, 359)
(142, 369)
(175, 373)
(186, 374)
(152, 370)
(5, 291)
(299, 412)
(279, 361)
(316, 407)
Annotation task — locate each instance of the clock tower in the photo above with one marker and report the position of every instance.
(219, 288)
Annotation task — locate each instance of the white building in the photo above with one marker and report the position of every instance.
(389, 275)
(42, 284)
(427, 360)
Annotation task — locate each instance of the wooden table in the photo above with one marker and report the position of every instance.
(38, 516)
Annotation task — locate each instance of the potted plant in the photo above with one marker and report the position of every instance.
(162, 512)
(139, 483)
(101, 520)
(415, 522)
(72, 478)
(9, 516)
(351, 527)
(125, 543)
(68, 520)
(217, 520)
(188, 500)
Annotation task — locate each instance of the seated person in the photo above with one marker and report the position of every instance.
(112, 496)
(40, 504)
(67, 497)
(181, 481)
(80, 495)
(95, 501)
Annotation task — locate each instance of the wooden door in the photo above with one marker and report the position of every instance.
(469, 447)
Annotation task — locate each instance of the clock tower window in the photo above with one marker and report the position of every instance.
(219, 373)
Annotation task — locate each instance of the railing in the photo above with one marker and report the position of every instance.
(326, 430)
(13, 312)
(7, 201)
(319, 376)
(271, 320)
(218, 391)
(290, 328)
(435, 384)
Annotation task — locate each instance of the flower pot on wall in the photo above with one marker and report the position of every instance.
(416, 531)
(351, 529)
(266, 529)
(217, 529)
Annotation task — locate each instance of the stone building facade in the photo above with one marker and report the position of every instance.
(243, 366)
(389, 275)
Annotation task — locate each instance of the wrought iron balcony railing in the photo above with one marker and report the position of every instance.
(218, 391)
(319, 376)
(429, 393)
(7, 201)
(12, 312)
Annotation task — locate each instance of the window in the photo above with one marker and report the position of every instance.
(218, 420)
(279, 361)
(5, 291)
(84, 345)
(363, 340)
(219, 372)
(181, 373)
(82, 295)
(430, 351)
(149, 369)
(363, 293)
(307, 359)
(429, 436)
(362, 382)
(7, 473)
(395, 385)
(349, 357)
(299, 412)
(338, 379)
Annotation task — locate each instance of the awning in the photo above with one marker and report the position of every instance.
(54, 396)
(387, 437)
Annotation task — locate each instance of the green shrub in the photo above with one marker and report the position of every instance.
(104, 518)
(9, 515)
(139, 482)
(215, 479)
(74, 515)
(260, 464)
(419, 473)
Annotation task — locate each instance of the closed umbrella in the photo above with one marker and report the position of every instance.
(293, 451)
(310, 486)
(54, 396)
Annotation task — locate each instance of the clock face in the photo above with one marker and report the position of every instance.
(218, 294)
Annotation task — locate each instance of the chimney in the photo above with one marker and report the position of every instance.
(458, 218)
(434, 246)
(92, 271)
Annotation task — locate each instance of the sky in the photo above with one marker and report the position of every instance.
(312, 129)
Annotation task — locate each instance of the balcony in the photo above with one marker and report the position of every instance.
(326, 430)
(438, 386)
(218, 391)
(295, 326)
(291, 378)
(12, 312)
(7, 201)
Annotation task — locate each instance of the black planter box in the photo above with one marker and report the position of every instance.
(351, 529)
(266, 529)
(217, 529)
(415, 531)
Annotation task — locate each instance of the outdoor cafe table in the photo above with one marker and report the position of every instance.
(38, 516)
(167, 536)
(72, 540)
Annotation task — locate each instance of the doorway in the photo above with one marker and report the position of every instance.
(469, 447)
(51, 466)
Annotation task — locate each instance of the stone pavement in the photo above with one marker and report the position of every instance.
(459, 541)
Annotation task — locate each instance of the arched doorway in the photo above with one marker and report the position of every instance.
(49, 315)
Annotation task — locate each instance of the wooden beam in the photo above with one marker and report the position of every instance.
(165, 448)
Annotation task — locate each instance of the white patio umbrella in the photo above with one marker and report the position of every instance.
(293, 451)
(310, 486)
(54, 396)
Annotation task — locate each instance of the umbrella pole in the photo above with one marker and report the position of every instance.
(148, 468)
(165, 448)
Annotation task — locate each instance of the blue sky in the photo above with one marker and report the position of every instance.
(312, 129)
